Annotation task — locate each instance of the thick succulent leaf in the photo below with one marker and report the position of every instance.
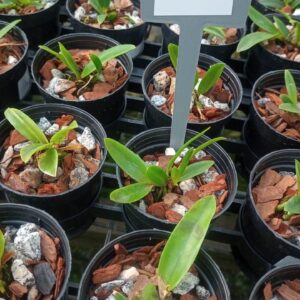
(2, 245)
(292, 206)
(101, 18)
(175, 175)
(190, 141)
(262, 21)
(150, 292)
(131, 193)
(290, 108)
(196, 169)
(69, 61)
(281, 27)
(96, 4)
(97, 63)
(286, 99)
(60, 136)
(208, 143)
(107, 55)
(157, 176)
(51, 51)
(252, 39)
(173, 53)
(210, 78)
(215, 31)
(8, 27)
(29, 150)
(25, 125)
(127, 160)
(291, 86)
(275, 4)
(48, 162)
(185, 241)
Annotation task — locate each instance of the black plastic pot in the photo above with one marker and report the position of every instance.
(9, 80)
(157, 140)
(265, 138)
(40, 26)
(16, 215)
(210, 274)
(73, 202)
(157, 118)
(107, 109)
(221, 52)
(134, 35)
(271, 246)
(261, 61)
(276, 277)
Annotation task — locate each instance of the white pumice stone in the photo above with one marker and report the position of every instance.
(27, 228)
(283, 55)
(10, 233)
(19, 146)
(62, 85)
(170, 151)
(21, 274)
(118, 27)
(158, 100)
(161, 80)
(209, 176)
(296, 12)
(79, 13)
(205, 42)
(199, 155)
(7, 157)
(11, 60)
(28, 247)
(52, 129)
(297, 58)
(81, 98)
(188, 282)
(222, 106)
(127, 287)
(78, 176)
(48, 4)
(202, 292)
(12, 12)
(87, 139)
(33, 293)
(181, 156)
(57, 73)
(109, 286)
(111, 297)
(206, 102)
(263, 101)
(142, 206)
(180, 209)
(129, 275)
(188, 185)
(175, 28)
(44, 124)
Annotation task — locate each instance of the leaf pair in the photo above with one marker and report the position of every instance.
(101, 7)
(210, 78)
(6, 29)
(48, 157)
(290, 101)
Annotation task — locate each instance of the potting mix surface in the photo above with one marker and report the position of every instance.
(289, 290)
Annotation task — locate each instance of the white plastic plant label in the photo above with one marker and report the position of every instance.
(193, 7)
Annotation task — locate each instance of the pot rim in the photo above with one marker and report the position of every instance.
(253, 96)
(252, 202)
(48, 197)
(63, 237)
(26, 44)
(165, 58)
(94, 36)
(71, 14)
(229, 200)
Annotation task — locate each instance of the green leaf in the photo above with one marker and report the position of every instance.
(105, 56)
(262, 21)
(175, 175)
(101, 18)
(96, 6)
(172, 160)
(252, 39)
(25, 125)
(27, 151)
(215, 31)
(291, 86)
(112, 16)
(173, 53)
(210, 78)
(208, 143)
(54, 53)
(97, 63)
(131, 193)
(157, 176)
(295, 4)
(48, 162)
(289, 108)
(185, 241)
(286, 99)
(281, 27)
(127, 160)
(69, 61)
(119, 296)
(8, 27)
(196, 169)
(150, 292)
(292, 206)
(275, 4)
(60, 136)
(2, 245)
(7, 5)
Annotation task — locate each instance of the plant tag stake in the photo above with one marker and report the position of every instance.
(192, 16)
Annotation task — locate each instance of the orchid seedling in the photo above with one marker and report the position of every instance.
(215, 31)
(148, 177)
(185, 241)
(18, 4)
(93, 69)
(6, 29)
(45, 151)
(105, 13)
(291, 206)
(270, 30)
(290, 101)
(280, 4)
